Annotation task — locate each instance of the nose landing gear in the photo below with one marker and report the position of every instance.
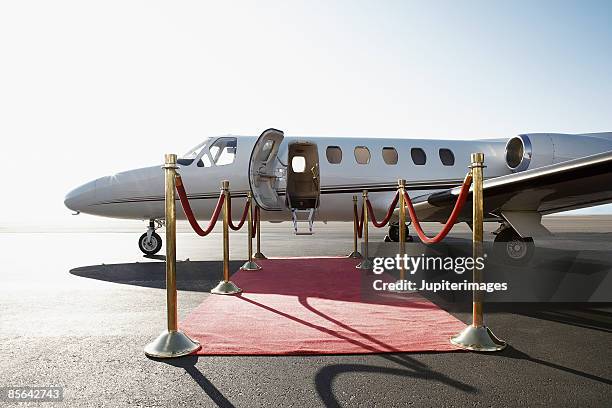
(150, 242)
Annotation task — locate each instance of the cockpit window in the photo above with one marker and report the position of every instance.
(193, 152)
(223, 151)
(204, 161)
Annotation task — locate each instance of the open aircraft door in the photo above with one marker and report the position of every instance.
(262, 165)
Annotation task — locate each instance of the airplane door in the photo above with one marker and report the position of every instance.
(262, 177)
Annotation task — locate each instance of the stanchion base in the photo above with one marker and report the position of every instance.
(366, 264)
(226, 288)
(250, 266)
(171, 344)
(355, 255)
(478, 338)
(259, 255)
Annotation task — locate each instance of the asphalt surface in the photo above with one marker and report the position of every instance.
(76, 310)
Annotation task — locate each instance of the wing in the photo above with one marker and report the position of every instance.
(578, 183)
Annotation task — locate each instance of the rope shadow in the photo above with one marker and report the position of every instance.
(304, 302)
(325, 377)
(403, 360)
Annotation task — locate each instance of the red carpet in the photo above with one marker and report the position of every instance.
(315, 306)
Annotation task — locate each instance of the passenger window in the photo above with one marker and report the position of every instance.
(334, 154)
(418, 156)
(298, 164)
(223, 151)
(362, 155)
(389, 155)
(447, 157)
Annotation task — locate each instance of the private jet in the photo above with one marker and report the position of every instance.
(301, 179)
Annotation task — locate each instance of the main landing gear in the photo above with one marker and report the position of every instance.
(150, 242)
(512, 249)
(394, 231)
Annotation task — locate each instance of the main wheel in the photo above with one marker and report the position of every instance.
(512, 249)
(150, 246)
(394, 232)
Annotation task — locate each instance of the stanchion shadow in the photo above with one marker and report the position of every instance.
(584, 315)
(511, 352)
(200, 276)
(578, 315)
(188, 363)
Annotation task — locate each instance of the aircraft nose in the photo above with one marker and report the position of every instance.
(81, 197)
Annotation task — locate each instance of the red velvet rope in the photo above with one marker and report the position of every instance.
(385, 220)
(465, 188)
(244, 215)
(463, 194)
(189, 212)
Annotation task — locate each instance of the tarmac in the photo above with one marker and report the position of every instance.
(77, 308)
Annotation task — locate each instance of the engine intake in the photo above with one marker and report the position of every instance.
(518, 153)
(535, 150)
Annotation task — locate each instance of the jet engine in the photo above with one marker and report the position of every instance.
(535, 150)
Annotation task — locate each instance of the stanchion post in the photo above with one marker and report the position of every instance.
(250, 265)
(402, 225)
(258, 254)
(477, 336)
(171, 342)
(355, 254)
(366, 263)
(226, 287)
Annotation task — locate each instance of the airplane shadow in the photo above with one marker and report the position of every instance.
(561, 270)
(200, 276)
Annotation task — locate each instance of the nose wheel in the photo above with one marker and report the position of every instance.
(150, 242)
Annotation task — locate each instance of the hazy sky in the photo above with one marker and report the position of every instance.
(90, 88)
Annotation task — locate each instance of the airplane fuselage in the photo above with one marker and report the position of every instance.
(139, 193)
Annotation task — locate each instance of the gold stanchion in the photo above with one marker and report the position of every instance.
(355, 253)
(477, 336)
(402, 225)
(258, 254)
(226, 287)
(250, 265)
(366, 263)
(171, 342)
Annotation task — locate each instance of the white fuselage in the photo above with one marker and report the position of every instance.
(139, 193)
(344, 167)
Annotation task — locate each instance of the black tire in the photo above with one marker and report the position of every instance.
(394, 232)
(152, 247)
(511, 249)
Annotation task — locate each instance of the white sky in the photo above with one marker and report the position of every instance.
(91, 88)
